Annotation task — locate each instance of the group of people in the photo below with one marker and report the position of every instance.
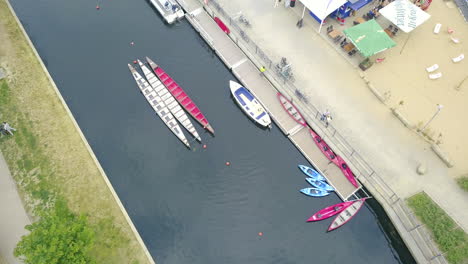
(326, 117)
(6, 129)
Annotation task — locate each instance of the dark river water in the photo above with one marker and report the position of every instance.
(187, 205)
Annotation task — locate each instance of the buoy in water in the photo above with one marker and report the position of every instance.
(204, 146)
(260, 233)
(132, 43)
(97, 7)
(134, 62)
(228, 163)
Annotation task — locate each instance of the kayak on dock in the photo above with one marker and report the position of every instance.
(347, 214)
(292, 110)
(180, 95)
(320, 184)
(158, 105)
(323, 146)
(314, 192)
(312, 173)
(169, 101)
(329, 211)
(347, 171)
(249, 104)
(221, 25)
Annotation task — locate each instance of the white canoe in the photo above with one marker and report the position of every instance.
(169, 100)
(249, 104)
(158, 105)
(347, 214)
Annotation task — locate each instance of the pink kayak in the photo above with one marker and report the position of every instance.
(329, 211)
(292, 110)
(346, 171)
(323, 146)
(180, 95)
(346, 215)
(221, 25)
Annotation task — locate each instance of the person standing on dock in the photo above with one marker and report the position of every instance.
(262, 70)
(7, 129)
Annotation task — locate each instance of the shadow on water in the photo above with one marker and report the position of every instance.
(400, 250)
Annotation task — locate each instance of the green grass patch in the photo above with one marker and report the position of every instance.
(463, 182)
(449, 237)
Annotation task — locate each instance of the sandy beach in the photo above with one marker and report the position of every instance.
(403, 76)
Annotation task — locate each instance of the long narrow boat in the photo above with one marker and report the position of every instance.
(320, 184)
(314, 192)
(158, 105)
(169, 100)
(323, 146)
(346, 171)
(347, 214)
(180, 96)
(249, 104)
(311, 173)
(329, 211)
(292, 110)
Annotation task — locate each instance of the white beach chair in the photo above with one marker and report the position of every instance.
(432, 68)
(435, 76)
(459, 58)
(455, 40)
(437, 28)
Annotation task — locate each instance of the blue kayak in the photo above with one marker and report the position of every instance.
(314, 192)
(312, 173)
(319, 184)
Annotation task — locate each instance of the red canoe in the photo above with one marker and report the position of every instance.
(292, 110)
(180, 96)
(323, 146)
(346, 171)
(329, 211)
(222, 25)
(347, 214)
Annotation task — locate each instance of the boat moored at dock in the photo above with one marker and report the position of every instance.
(311, 173)
(314, 192)
(320, 184)
(347, 214)
(169, 100)
(179, 94)
(170, 10)
(158, 105)
(249, 104)
(329, 211)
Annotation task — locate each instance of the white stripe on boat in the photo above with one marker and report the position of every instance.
(169, 100)
(158, 105)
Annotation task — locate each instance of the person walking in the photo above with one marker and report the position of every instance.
(324, 115)
(7, 129)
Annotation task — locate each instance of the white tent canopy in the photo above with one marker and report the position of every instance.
(322, 8)
(404, 15)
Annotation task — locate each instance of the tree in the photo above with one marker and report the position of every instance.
(59, 237)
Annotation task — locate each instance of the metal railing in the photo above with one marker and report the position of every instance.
(363, 171)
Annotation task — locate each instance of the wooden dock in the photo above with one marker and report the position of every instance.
(249, 75)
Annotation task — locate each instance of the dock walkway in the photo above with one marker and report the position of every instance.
(233, 50)
(248, 74)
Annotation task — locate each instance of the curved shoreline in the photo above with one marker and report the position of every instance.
(85, 142)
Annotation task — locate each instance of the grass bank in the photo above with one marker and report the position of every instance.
(450, 238)
(463, 182)
(47, 157)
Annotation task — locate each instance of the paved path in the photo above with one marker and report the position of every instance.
(14, 217)
(331, 82)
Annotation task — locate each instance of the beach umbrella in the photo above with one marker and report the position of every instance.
(404, 14)
(369, 38)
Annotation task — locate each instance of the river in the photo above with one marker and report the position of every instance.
(188, 206)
